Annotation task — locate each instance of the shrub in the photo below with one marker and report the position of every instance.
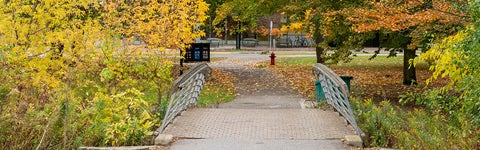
(387, 125)
(70, 77)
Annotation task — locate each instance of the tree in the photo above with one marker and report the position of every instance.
(311, 16)
(161, 25)
(243, 15)
(240, 15)
(213, 5)
(166, 24)
(401, 25)
(408, 25)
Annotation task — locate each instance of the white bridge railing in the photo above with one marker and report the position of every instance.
(185, 92)
(336, 93)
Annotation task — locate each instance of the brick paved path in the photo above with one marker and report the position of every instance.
(293, 124)
(265, 115)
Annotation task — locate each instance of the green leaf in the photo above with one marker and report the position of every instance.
(107, 74)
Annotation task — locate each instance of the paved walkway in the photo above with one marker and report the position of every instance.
(266, 114)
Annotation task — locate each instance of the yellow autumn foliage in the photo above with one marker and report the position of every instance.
(300, 24)
(72, 75)
(447, 59)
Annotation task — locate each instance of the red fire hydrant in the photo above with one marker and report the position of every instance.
(272, 58)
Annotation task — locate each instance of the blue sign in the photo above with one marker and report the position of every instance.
(196, 53)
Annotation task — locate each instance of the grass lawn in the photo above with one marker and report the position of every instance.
(212, 95)
(292, 53)
(359, 62)
(218, 90)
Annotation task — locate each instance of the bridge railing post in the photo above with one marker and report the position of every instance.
(336, 93)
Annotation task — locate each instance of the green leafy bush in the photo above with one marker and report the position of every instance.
(387, 125)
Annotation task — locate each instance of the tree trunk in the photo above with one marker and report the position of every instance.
(319, 53)
(226, 32)
(409, 74)
(210, 27)
(319, 50)
(238, 38)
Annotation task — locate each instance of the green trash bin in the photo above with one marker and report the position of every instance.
(319, 94)
(347, 79)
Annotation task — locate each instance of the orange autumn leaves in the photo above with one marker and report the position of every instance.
(401, 15)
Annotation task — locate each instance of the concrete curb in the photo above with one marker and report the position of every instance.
(354, 140)
(163, 139)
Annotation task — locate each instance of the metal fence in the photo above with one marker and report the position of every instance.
(336, 93)
(185, 92)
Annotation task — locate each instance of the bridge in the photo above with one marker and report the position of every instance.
(264, 115)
